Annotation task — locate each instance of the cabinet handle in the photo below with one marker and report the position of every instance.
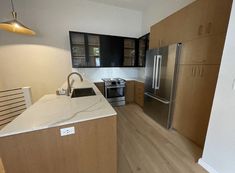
(194, 71)
(200, 30)
(202, 72)
(209, 27)
(199, 71)
(160, 43)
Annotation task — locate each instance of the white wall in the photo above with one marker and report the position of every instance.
(219, 152)
(160, 10)
(44, 61)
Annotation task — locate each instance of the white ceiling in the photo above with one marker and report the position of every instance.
(139, 5)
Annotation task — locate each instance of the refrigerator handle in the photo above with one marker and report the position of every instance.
(158, 72)
(158, 99)
(154, 71)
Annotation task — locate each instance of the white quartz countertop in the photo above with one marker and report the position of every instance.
(52, 111)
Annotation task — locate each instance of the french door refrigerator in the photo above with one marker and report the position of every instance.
(160, 79)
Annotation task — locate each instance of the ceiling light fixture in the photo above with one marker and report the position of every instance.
(14, 25)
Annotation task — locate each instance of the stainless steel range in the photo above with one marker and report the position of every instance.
(115, 91)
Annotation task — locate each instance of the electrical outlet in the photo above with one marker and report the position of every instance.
(67, 131)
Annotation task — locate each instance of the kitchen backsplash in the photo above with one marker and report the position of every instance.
(96, 74)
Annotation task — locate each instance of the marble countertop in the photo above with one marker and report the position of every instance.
(52, 111)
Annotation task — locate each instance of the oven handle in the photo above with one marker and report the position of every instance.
(115, 87)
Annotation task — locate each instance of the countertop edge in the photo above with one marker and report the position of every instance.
(58, 125)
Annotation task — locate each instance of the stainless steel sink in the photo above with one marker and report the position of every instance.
(82, 92)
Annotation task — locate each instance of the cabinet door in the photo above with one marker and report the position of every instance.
(218, 13)
(129, 52)
(78, 49)
(204, 88)
(157, 35)
(184, 99)
(143, 47)
(129, 93)
(93, 50)
(111, 51)
(195, 20)
(175, 24)
(206, 50)
(139, 93)
(194, 97)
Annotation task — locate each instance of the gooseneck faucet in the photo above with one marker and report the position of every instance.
(68, 81)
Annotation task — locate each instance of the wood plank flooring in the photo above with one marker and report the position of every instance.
(146, 147)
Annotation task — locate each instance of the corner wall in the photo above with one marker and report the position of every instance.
(219, 151)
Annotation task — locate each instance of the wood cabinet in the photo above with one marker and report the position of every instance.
(199, 19)
(195, 19)
(174, 22)
(100, 86)
(139, 93)
(217, 17)
(206, 17)
(134, 91)
(206, 50)
(194, 97)
(130, 91)
(92, 149)
(201, 28)
(157, 35)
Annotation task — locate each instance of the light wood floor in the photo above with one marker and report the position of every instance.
(146, 147)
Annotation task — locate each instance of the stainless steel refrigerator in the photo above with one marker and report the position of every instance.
(160, 79)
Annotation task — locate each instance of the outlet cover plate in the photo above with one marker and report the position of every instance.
(67, 131)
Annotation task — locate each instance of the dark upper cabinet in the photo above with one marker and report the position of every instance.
(93, 50)
(78, 49)
(143, 46)
(111, 49)
(130, 52)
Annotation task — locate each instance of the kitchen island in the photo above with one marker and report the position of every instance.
(33, 142)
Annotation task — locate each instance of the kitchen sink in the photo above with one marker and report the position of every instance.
(82, 92)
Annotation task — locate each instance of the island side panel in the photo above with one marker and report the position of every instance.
(93, 148)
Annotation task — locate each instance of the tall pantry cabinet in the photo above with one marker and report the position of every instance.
(201, 28)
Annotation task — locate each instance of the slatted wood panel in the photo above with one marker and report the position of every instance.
(12, 104)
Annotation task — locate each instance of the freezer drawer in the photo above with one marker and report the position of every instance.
(158, 109)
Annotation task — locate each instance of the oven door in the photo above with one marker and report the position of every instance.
(115, 92)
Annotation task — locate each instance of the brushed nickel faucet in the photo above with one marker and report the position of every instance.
(68, 81)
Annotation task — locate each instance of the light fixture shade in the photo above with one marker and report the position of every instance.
(17, 27)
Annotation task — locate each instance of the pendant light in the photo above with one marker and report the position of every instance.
(14, 25)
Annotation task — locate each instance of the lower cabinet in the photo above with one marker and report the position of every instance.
(139, 93)
(130, 91)
(92, 149)
(194, 98)
(134, 91)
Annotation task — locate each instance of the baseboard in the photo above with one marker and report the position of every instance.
(206, 166)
